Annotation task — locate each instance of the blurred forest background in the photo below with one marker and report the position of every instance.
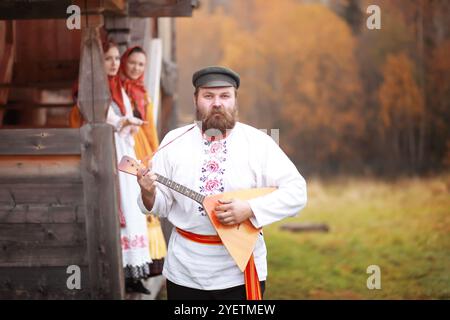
(347, 100)
(365, 116)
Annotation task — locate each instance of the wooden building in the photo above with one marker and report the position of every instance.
(58, 199)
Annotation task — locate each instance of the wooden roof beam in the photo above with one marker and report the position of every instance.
(44, 9)
(57, 9)
(161, 8)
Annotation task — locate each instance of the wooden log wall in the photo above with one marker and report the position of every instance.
(58, 200)
(42, 215)
(58, 208)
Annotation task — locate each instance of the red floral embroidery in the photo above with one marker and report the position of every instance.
(136, 242)
(125, 243)
(211, 185)
(215, 147)
(212, 166)
(211, 179)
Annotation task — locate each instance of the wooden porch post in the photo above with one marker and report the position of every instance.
(98, 162)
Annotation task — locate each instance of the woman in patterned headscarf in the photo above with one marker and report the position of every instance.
(131, 74)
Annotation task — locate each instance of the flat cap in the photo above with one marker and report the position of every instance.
(215, 76)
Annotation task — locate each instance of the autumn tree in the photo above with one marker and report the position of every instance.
(439, 114)
(342, 100)
(402, 110)
(419, 28)
(299, 75)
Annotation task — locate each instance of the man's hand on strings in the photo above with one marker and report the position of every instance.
(147, 181)
(233, 211)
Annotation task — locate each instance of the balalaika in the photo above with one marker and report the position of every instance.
(239, 239)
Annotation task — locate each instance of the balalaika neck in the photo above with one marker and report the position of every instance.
(197, 197)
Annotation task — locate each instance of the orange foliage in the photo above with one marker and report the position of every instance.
(331, 92)
(298, 67)
(400, 96)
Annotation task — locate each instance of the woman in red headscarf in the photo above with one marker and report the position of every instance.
(133, 231)
(134, 235)
(132, 67)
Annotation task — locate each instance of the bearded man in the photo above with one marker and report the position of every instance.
(215, 155)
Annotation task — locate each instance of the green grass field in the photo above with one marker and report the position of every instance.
(403, 227)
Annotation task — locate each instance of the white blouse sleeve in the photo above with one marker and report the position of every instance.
(113, 119)
(290, 197)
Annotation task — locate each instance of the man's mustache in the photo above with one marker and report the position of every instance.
(213, 113)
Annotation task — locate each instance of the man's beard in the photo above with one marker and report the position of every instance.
(217, 120)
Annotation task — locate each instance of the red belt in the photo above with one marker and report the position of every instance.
(252, 288)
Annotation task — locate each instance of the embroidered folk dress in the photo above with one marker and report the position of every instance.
(133, 236)
(246, 158)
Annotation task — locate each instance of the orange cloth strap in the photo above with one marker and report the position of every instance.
(252, 287)
(200, 238)
(251, 279)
